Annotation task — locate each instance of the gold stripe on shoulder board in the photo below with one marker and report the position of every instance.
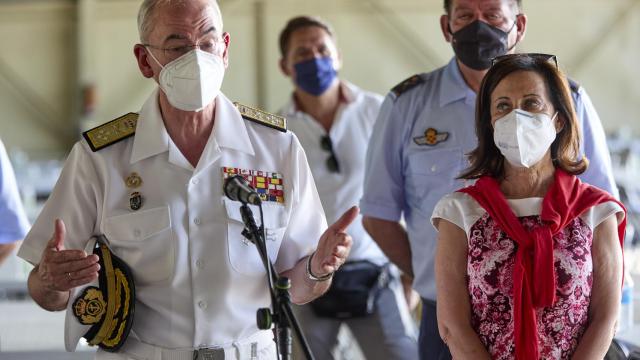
(262, 117)
(111, 132)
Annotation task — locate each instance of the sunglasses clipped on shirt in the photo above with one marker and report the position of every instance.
(332, 160)
(533, 56)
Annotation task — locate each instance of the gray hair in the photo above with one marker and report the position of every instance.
(148, 7)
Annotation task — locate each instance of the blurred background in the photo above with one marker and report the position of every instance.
(68, 65)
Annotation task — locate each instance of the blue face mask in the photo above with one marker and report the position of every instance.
(315, 75)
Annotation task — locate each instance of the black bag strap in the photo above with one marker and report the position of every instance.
(384, 278)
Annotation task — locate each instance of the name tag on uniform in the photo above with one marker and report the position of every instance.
(269, 185)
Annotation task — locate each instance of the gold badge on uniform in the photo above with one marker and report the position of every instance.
(431, 137)
(135, 201)
(133, 181)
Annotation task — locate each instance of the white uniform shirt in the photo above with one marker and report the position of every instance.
(349, 134)
(198, 282)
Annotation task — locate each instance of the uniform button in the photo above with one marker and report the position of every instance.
(434, 168)
(196, 221)
(202, 304)
(136, 232)
(200, 263)
(195, 181)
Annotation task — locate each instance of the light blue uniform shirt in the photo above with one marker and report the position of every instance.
(404, 176)
(13, 221)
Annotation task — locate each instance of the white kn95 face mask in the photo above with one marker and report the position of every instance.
(192, 81)
(524, 137)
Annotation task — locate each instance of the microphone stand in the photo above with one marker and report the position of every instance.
(282, 316)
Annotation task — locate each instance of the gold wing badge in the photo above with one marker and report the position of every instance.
(431, 137)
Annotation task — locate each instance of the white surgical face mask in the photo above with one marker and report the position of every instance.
(523, 137)
(192, 81)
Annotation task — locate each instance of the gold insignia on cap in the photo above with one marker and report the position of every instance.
(431, 137)
(133, 181)
(123, 295)
(109, 309)
(90, 307)
(262, 117)
(111, 132)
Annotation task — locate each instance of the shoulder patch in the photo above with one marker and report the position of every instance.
(407, 84)
(262, 117)
(110, 133)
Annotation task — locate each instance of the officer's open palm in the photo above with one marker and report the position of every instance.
(334, 245)
(62, 270)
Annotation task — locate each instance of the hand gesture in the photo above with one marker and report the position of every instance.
(63, 270)
(334, 245)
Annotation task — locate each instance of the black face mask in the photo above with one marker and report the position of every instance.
(477, 43)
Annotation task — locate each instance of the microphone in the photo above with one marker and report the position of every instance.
(238, 188)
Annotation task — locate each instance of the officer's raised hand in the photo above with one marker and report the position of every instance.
(61, 270)
(334, 245)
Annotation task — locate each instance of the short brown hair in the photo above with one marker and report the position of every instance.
(486, 159)
(297, 23)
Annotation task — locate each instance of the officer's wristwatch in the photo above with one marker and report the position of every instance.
(313, 277)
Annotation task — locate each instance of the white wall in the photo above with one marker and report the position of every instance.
(35, 69)
(382, 42)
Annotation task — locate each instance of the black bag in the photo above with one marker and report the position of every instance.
(622, 350)
(353, 292)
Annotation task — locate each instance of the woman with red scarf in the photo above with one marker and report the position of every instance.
(529, 259)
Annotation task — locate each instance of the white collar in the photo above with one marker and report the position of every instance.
(151, 136)
(230, 129)
(229, 132)
(349, 94)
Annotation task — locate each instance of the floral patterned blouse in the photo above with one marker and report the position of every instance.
(491, 256)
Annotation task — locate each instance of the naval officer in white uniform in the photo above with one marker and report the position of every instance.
(152, 183)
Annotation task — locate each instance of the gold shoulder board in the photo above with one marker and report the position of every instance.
(110, 133)
(407, 84)
(262, 117)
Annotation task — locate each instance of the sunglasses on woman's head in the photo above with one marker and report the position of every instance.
(533, 56)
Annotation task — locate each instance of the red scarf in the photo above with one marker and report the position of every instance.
(534, 283)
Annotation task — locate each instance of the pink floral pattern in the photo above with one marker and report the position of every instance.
(490, 268)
